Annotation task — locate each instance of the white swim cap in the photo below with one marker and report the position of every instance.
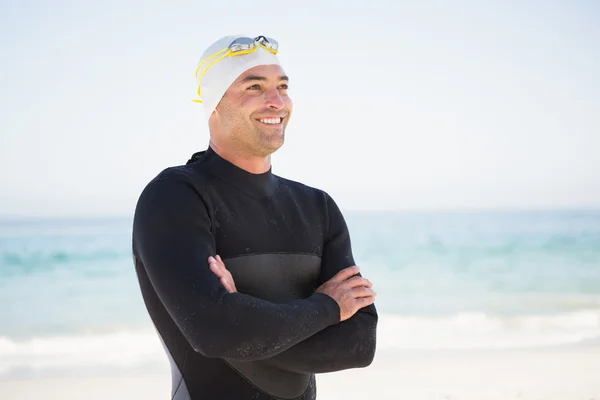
(217, 69)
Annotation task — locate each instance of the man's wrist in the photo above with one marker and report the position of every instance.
(330, 306)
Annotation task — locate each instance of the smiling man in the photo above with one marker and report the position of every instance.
(248, 277)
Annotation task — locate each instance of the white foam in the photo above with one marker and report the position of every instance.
(481, 331)
(461, 331)
(120, 349)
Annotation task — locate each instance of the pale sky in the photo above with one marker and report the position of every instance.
(398, 105)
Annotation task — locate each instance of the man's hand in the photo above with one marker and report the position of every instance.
(217, 266)
(349, 290)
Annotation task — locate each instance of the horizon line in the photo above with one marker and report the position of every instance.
(98, 216)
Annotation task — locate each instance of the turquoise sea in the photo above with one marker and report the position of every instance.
(69, 299)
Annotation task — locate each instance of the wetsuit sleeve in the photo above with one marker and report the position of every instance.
(173, 240)
(348, 344)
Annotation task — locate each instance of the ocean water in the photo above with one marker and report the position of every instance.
(69, 298)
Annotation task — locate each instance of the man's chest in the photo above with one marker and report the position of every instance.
(272, 247)
(245, 226)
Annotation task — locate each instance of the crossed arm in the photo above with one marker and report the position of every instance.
(172, 238)
(348, 344)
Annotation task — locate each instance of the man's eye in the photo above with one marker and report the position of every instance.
(254, 87)
(284, 86)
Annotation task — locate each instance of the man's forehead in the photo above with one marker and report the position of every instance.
(263, 72)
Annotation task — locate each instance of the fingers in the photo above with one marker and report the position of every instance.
(358, 281)
(216, 260)
(227, 285)
(346, 273)
(363, 291)
(217, 266)
(362, 302)
(214, 267)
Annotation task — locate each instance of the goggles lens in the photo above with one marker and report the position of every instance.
(268, 43)
(246, 44)
(242, 44)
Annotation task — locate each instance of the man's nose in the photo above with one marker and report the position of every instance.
(274, 100)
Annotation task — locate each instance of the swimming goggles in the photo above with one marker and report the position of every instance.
(240, 46)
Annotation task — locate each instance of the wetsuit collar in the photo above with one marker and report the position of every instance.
(260, 185)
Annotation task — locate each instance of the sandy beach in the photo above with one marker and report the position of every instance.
(560, 373)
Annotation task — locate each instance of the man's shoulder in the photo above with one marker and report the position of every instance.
(302, 188)
(175, 181)
(312, 195)
(183, 173)
(315, 198)
(192, 172)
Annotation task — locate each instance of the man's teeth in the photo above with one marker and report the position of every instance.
(270, 120)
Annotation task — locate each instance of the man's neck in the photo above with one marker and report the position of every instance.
(252, 164)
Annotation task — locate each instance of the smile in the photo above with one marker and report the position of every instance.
(271, 121)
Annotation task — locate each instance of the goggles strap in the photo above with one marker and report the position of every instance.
(216, 60)
(207, 59)
(262, 42)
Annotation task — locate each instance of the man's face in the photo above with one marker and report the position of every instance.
(255, 110)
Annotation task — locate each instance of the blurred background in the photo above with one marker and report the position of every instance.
(461, 139)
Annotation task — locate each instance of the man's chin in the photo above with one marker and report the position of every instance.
(270, 145)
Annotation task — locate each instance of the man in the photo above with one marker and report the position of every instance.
(248, 277)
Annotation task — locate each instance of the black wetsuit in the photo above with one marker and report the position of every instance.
(280, 239)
